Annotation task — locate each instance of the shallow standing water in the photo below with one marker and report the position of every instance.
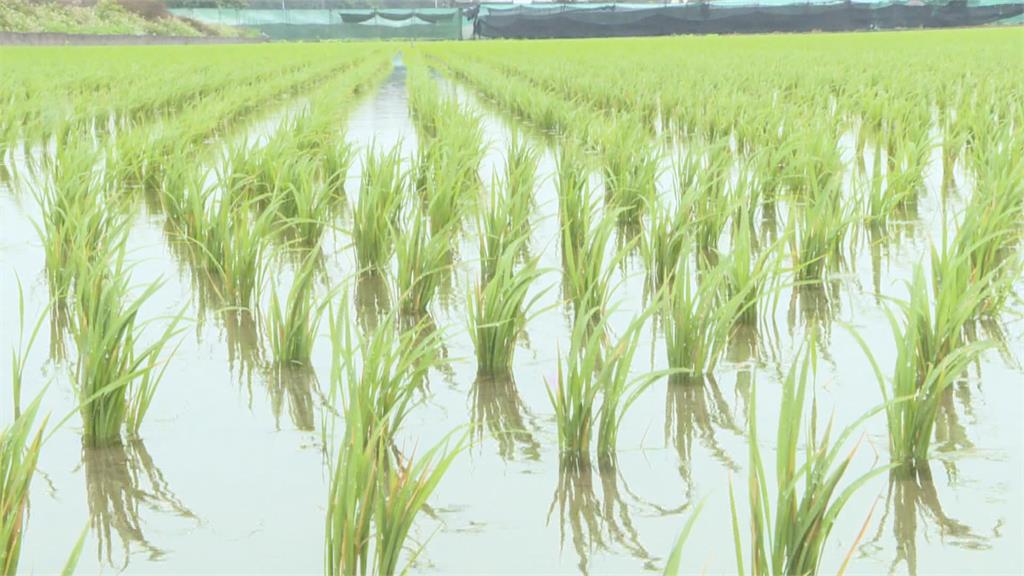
(232, 473)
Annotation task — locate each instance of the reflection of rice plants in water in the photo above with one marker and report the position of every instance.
(912, 502)
(695, 409)
(296, 388)
(596, 522)
(372, 298)
(121, 482)
(242, 338)
(498, 410)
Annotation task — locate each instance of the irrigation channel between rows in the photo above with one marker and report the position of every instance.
(233, 469)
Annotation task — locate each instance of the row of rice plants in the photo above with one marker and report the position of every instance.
(820, 217)
(56, 93)
(376, 492)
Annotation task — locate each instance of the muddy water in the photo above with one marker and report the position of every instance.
(231, 473)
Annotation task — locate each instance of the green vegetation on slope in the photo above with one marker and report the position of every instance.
(140, 17)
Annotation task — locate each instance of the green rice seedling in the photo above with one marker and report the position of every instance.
(376, 213)
(675, 558)
(575, 202)
(588, 258)
(373, 503)
(631, 168)
(499, 310)
(462, 136)
(291, 332)
(596, 366)
(990, 233)
(437, 183)
(764, 179)
(19, 453)
(249, 171)
(425, 101)
(792, 539)
(588, 273)
(742, 270)
(954, 138)
(931, 354)
(909, 152)
(497, 230)
(183, 196)
(750, 276)
(904, 178)
(77, 216)
(352, 502)
(504, 219)
(378, 370)
(576, 388)
(375, 493)
(76, 552)
(618, 390)
(699, 316)
(958, 297)
(810, 157)
(230, 244)
(663, 245)
(877, 205)
(406, 489)
(517, 200)
(19, 356)
(702, 179)
(819, 229)
(115, 381)
(448, 171)
(895, 190)
(336, 159)
(301, 201)
(423, 261)
(313, 139)
(451, 149)
(521, 161)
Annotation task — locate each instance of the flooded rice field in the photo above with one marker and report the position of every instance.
(232, 467)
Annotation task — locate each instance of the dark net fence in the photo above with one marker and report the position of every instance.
(568, 21)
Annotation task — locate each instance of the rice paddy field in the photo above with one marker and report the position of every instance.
(678, 305)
